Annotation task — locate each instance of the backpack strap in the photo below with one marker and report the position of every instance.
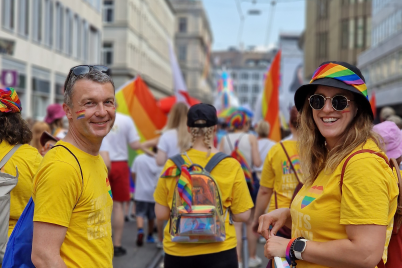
(178, 160)
(355, 153)
(215, 160)
(290, 161)
(9, 155)
(229, 142)
(82, 177)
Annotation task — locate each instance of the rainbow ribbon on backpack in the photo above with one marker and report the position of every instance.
(238, 155)
(184, 183)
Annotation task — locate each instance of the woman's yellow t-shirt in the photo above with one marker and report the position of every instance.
(278, 174)
(369, 196)
(234, 193)
(27, 160)
(85, 209)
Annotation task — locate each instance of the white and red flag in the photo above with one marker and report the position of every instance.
(180, 88)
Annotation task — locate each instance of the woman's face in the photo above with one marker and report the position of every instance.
(331, 123)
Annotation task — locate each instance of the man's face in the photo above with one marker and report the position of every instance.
(93, 109)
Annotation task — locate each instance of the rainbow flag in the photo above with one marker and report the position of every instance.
(136, 100)
(270, 99)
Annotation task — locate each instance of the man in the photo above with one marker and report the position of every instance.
(122, 134)
(73, 205)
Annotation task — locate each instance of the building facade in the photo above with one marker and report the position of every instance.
(41, 40)
(193, 42)
(382, 63)
(136, 37)
(335, 30)
(247, 70)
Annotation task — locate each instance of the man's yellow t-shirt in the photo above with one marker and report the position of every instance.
(27, 160)
(234, 193)
(279, 175)
(84, 208)
(369, 196)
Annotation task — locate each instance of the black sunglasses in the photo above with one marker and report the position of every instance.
(84, 69)
(339, 102)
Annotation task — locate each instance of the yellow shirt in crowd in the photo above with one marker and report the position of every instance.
(278, 174)
(234, 193)
(27, 159)
(369, 196)
(85, 209)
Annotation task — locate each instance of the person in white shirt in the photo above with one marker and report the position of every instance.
(145, 173)
(123, 134)
(264, 144)
(175, 139)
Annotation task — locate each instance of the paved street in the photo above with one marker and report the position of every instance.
(147, 255)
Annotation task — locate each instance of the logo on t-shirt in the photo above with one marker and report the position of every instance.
(313, 193)
(287, 169)
(108, 185)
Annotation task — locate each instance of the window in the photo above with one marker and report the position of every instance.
(351, 33)
(256, 89)
(243, 88)
(37, 20)
(85, 41)
(322, 45)
(23, 20)
(69, 32)
(49, 23)
(59, 88)
(244, 76)
(368, 32)
(40, 93)
(76, 38)
(108, 10)
(244, 99)
(8, 64)
(59, 26)
(182, 25)
(344, 34)
(182, 52)
(94, 43)
(107, 54)
(8, 14)
(256, 76)
(360, 33)
(235, 89)
(322, 9)
(234, 75)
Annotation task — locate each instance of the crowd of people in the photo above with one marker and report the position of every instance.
(324, 196)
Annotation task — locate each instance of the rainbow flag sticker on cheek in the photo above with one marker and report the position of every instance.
(80, 114)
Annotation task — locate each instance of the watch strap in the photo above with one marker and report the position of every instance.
(297, 253)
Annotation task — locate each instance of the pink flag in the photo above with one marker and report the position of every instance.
(180, 88)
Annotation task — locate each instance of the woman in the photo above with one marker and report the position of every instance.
(175, 139)
(278, 180)
(344, 223)
(54, 117)
(37, 131)
(234, 194)
(14, 130)
(264, 144)
(248, 146)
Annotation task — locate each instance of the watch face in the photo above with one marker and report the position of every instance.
(299, 246)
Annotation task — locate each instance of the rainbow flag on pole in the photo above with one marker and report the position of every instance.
(136, 100)
(270, 99)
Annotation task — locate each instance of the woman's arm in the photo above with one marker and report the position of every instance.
(263, 197)
(162, 212)
(242, 217)
(255, 154)
(161, 157)
(363, 248)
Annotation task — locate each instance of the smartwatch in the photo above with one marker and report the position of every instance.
(299, 247)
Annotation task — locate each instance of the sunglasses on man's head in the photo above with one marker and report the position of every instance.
(84, 69)
(339, 102)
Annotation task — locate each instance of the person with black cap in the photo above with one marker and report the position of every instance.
(343, 216)
(202, 124)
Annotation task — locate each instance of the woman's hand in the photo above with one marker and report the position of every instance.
(275, 247)
(276, 218)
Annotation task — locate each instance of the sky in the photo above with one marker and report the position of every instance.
(224, 18)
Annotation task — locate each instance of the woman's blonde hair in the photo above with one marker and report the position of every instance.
(37, 129)
(206, 132)
(313, 153)
(177, 119)
(262, 129)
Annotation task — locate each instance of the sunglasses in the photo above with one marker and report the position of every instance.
(84, 69)
(339, 102)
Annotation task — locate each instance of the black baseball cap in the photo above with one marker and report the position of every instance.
(302, 92)
(202, 111)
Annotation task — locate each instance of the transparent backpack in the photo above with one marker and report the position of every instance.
(204, 222)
